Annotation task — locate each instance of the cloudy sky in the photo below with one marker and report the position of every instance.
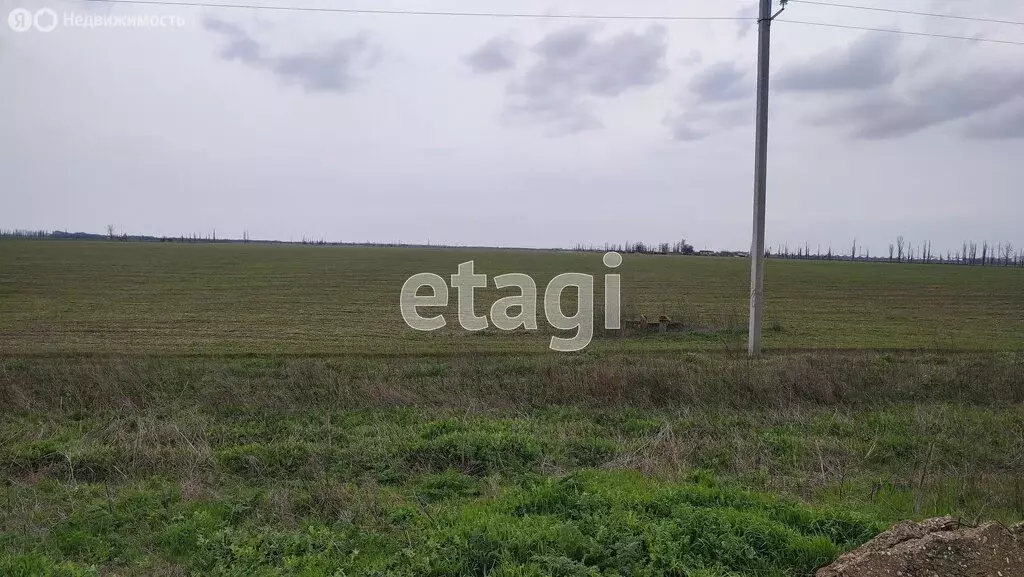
(519, 132)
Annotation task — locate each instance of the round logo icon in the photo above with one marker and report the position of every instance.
(20, 20)
(45, 20)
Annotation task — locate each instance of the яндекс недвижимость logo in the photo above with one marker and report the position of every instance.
(47, 20)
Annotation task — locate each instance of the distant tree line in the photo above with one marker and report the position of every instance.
(679, 247)
(53, 234)
(970, 253)
(1000, 254)
(194, 237)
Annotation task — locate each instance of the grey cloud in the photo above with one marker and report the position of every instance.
(329, 70)
(884, 116)
(748, 23)
(497, 55)
(574, 67)
(869, 62)
(565, 43)
(885, 94)
(684, 132)
(719, 98)
(892, 114)
(575, 59)
(333, 68)
(1008, 123)
(698, 123)
(240, 45)
(722, 81)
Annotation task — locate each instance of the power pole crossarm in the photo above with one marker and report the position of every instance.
(757, 258)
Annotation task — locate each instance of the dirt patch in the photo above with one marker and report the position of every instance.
(938, 547)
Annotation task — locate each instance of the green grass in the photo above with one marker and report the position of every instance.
(154, 298)
(596, 523)
(430, 492)
(263, 410)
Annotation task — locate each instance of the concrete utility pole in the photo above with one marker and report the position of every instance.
(764, 23)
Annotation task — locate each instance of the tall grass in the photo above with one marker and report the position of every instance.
(99, 383)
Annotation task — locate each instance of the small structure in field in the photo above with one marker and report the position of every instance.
(664, 324)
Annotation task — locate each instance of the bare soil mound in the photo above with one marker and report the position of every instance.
(937, 547)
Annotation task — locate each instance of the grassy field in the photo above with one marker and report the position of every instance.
(154, 298)
(262, 410)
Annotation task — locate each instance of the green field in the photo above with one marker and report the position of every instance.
(154, 298)
(247, 409)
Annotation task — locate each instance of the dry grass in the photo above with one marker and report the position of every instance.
(690, 379)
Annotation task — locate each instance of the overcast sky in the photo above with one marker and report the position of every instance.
(517, 132)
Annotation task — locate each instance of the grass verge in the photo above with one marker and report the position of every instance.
(698, 464)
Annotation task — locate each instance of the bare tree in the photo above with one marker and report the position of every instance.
(899, 248)
(984, 252)
(111, 231)
(891, 247)
(853, 251)
(1007, 253)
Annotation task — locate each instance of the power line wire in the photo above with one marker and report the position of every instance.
(908, 12)
(895, 31)
(200, 4)
(421, 12)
